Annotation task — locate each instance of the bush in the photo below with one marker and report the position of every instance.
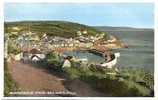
(139, 76)
(119, 84)
(12, 48)
(72, 72)
(54, 61)
(9, 84)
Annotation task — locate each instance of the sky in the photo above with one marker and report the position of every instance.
(139, 15)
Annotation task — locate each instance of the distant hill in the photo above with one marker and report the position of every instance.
(61, 28)
(109, 28)
(56, 28)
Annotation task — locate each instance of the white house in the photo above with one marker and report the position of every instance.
(36, 55)
(33, 55)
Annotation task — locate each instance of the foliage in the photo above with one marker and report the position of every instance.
(138, 75)
(54, 60)
(72, 72)
(106, 35)
(12, 48)
(116, 84)
(126, 82)
(9, 84)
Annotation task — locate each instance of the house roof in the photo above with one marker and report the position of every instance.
(32, 51)
(35, 51)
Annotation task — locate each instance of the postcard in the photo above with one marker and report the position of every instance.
(78, 49)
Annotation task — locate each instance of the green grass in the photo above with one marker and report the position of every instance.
(52, 28)
(72, 72)
(126, 82)
(139, 76)
(116, 85)
(9, 83)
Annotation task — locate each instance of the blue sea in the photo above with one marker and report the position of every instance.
(140, 53)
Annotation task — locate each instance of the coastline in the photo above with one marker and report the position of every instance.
(115, 43)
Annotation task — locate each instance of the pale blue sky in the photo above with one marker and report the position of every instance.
(117, 14)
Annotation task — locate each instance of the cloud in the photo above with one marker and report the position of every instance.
(120, 14)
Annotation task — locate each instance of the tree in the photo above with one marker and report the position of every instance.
(12, 48)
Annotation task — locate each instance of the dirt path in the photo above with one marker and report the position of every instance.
(30, 78)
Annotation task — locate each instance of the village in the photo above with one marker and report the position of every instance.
(62, 63)
(28, 50)
(34, 48)
(78, 49)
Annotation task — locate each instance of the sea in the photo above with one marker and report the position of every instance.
(140, 51)
(139, 54)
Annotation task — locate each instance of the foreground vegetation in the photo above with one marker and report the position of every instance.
(9, 83)
(116, 85)
(13, 48)
(125, 82)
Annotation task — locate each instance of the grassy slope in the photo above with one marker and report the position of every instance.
(109, 84)
(57, 28)
(9, 83)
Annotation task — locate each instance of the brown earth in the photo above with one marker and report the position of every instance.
(29, 78)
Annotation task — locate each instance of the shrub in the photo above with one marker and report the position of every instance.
(9, 84)
(12, 48)
(54, 61)
(72, 72)
(118, 84)
(139, 76)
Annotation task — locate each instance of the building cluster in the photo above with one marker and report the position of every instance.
(32, 41)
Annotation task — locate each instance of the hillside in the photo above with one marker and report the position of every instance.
(56, 28)
(109, 28)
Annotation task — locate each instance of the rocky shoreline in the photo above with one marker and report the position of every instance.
(115, 43)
